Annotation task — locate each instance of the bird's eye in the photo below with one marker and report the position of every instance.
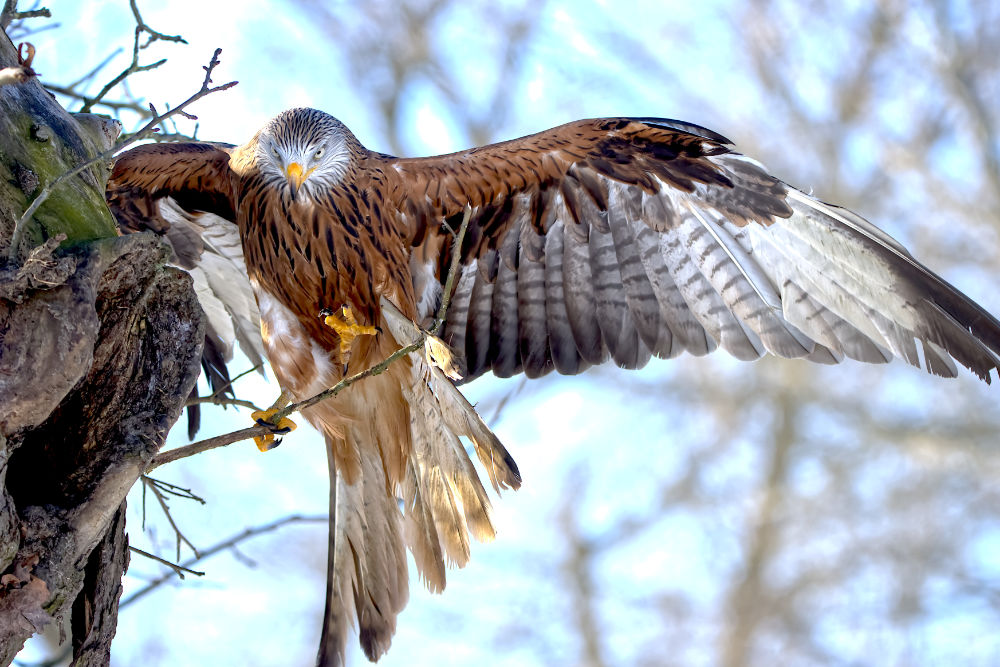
(274, 151)
(318, 154)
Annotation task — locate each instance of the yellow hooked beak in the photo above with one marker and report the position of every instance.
(297, 176)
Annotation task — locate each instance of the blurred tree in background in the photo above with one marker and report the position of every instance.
(843, 515)
(705, 511)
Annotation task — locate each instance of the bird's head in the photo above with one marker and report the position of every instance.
(305, 150)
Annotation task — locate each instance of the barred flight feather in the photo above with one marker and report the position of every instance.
(611, 238)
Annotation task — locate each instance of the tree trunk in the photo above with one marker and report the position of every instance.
(99, 347)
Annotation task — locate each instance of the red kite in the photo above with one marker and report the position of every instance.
(614, 238)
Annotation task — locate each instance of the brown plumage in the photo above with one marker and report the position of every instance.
(617, 238)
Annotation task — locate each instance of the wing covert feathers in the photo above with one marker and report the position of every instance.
(608, 239)
(626, 238)
(197, 175)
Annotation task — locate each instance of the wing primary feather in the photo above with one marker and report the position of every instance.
(562, 345)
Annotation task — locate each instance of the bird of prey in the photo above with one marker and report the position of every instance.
(607, 239)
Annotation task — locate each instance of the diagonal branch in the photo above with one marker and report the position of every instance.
(179, 569)
(134, 66)
(254, 431)
(222, 546)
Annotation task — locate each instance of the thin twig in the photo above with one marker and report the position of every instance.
(85, 79)
(254, 431)
(114, 106)
(456, 261)
(134, 66)
(221, 401)
(166, 510)
(230, 383)
(10, 13)
(174, 490)
(205, 89)
(505, 400)
(221, 546)
(153, 34)
(179, 569)
(347, 382)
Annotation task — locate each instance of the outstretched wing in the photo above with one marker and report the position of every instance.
(632, 237)
(196, 175)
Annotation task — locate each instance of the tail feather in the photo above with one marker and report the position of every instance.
(421, 533)
(412, 412)
(366, 561)
(462, 418)
(459, 415)
(444, 476)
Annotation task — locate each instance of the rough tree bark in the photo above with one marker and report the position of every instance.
(100, 344)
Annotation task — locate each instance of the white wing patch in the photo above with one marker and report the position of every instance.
(301, 365)
(215, 261)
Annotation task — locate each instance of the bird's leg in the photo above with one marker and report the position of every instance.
(346, 326)
(263, 417)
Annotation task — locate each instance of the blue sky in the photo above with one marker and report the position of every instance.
(605, 444)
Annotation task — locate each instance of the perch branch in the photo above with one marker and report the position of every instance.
(254, 431)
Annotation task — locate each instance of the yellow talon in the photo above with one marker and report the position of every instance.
(284, 425)
(347, 327)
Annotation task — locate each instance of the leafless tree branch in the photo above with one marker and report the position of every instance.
(247, 433)
(222, 546)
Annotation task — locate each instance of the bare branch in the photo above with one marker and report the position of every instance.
(133, 67)
(254, 431)
(153, 34)
(10, 13)
(223, 545)
(113, 105)
(173, 489)
(204, 445)
(94, 71)
(179, 569)
(166, 510)
(456, 261)
(216, 400)
(229, 384)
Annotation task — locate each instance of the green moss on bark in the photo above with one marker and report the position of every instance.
(39, 140)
